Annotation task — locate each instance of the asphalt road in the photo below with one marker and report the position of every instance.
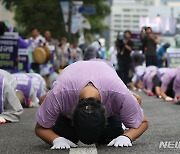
(164, 123)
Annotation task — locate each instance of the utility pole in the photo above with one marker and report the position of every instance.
(70, 18)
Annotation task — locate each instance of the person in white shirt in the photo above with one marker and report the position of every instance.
(113, 55)
(10, 106)
(26, 89)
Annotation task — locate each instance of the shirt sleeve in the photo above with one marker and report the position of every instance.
(165, 82)
(49, 110)
(129, 111)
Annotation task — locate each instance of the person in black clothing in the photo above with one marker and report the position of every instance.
(149, 41)
(124, 47)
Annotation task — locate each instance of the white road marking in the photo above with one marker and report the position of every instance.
(84, 149)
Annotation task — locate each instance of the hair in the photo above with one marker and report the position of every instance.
(127, 31)
(90, 53)
(63, 39)
(2, 28)
(91, 102)
(32, 29)
(148, 28)
(166, 45)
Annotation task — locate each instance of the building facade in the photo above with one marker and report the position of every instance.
(126, 14)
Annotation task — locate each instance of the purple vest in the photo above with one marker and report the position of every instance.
(23, 84)
(1, 93)
(38, 82)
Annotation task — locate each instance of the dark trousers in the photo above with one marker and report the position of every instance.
(170, 92)
(35, 67)
(124, 67)
(151, 60)
(64, 128)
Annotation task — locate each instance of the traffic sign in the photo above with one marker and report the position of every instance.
(87, 10)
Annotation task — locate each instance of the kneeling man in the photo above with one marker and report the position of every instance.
(89, 102)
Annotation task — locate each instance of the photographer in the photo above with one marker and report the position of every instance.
(124, 48)
(149, 41)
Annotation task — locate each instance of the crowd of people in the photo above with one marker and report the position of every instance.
(82, 93)
(123, 56)
(161, 82)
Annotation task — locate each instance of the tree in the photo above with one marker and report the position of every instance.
(44, 15)
(47, 15)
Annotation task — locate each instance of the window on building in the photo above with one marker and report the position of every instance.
(136, 21)
(144, 10)
(136, 16)
(117, 26)
(136, 27)
(126, 16)
(126, 26)
(117, 15)
(137, 10)
(117, 20)
(126, 10)
(126, 21)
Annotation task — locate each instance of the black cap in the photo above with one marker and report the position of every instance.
(89, 120)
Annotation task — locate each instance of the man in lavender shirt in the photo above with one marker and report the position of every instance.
(89, 102)
(136, 82)
(155, 80)
(167, 80)
(146, 81)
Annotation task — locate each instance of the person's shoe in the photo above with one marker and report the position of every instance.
(150, 93)
(28, 103)
(2, 120)
(139, 90)
(169, 99)
(159, 96)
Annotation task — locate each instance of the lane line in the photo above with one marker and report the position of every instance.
(91, 149)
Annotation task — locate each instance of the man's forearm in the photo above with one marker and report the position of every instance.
(128, 47)
(45, 134)
(163, 93)
(156, 40)
(137, 97)
(133, 134)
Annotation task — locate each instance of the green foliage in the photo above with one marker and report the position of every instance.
(102, 10)
(47, 15)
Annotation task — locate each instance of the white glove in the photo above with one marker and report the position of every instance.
(62, 143)
(2, 120)
(168, 99)
(121, 141)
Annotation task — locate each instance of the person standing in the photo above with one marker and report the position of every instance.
(62, 56)
(36, 40)
(162, 61)
(149, 41)
(49, 39)
(124, 48)
(113, 55)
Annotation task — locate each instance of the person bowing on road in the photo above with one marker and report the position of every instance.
(10, 106)
(89, 103)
